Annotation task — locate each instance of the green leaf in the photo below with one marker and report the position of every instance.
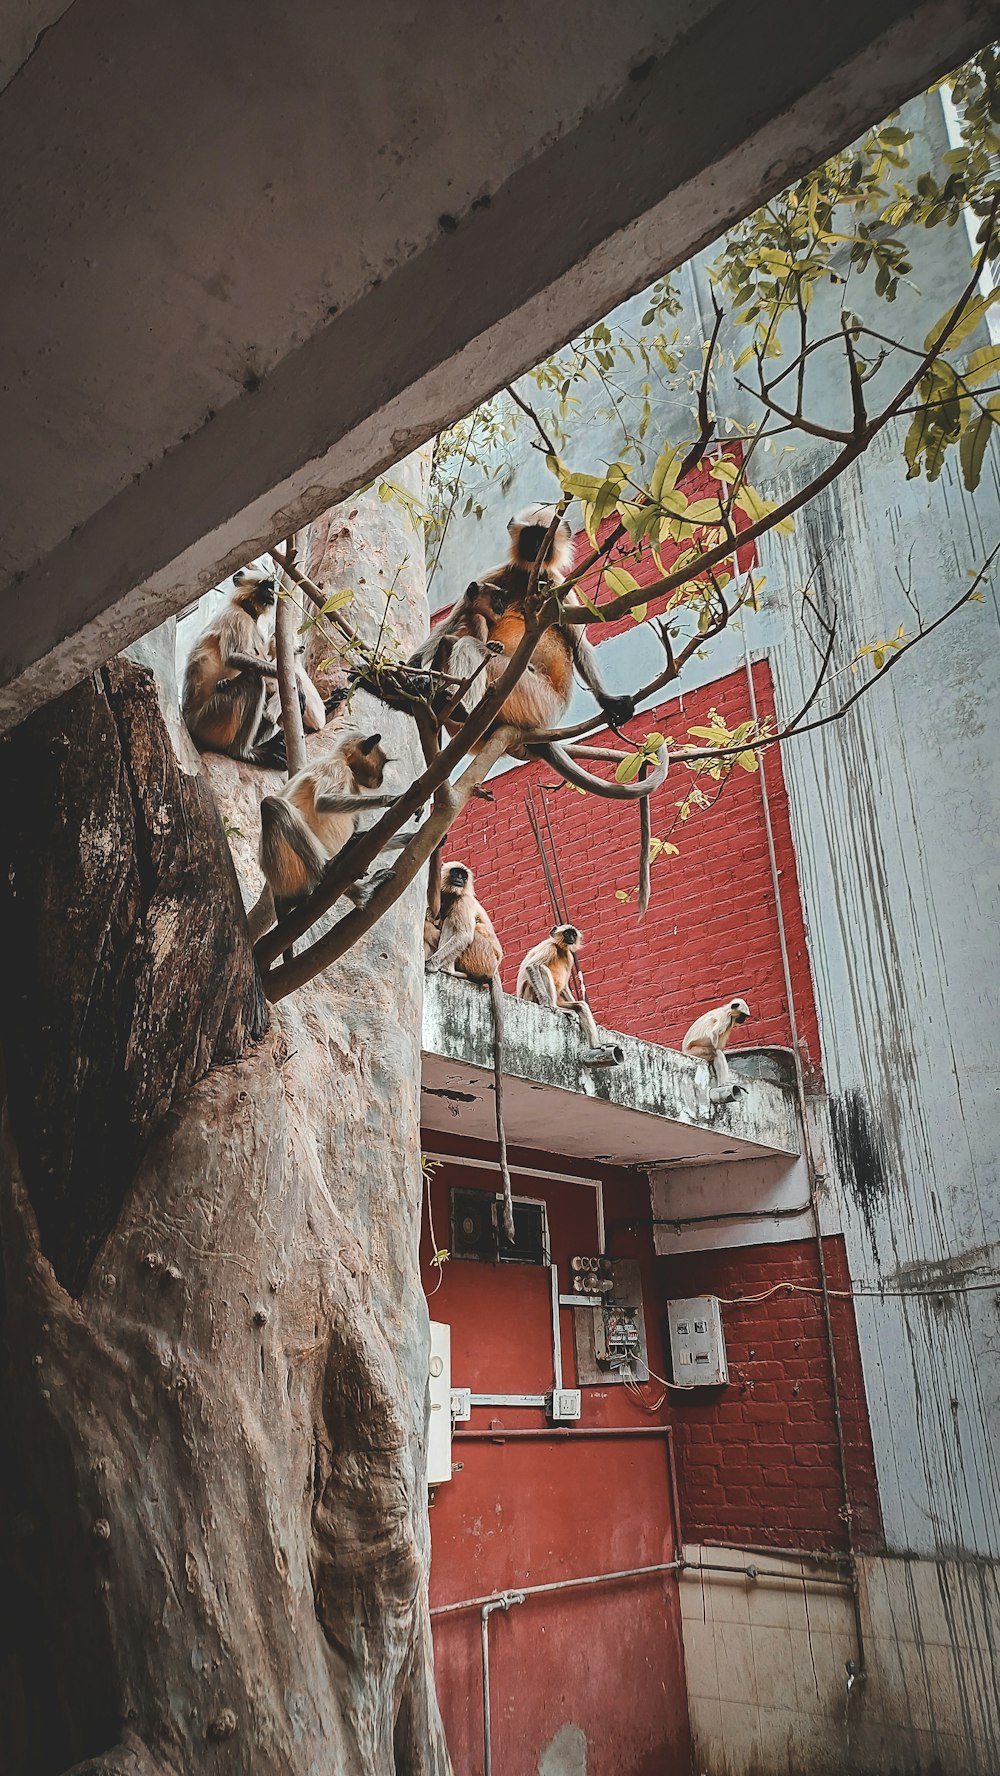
(723, 469)
(619, 581)
(983, 366)
(704, 511)
(639, 613)
(973, 448)
(969, 319)
(582, 487)
(629, 769)
(335, 602)
(665, 472)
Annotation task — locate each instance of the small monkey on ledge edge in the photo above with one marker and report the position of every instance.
(707, 1039)
(461, 940)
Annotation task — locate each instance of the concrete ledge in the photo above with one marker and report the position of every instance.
(645, 1111)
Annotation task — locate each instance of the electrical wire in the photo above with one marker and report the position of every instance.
(677, 1387)
(862, 1291)
(434, 1244)
(645, 1405)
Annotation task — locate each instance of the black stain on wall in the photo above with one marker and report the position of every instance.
(860, 1154)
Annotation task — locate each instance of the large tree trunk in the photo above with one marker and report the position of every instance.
(213, 1525)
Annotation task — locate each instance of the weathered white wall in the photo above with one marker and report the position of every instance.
(895, 824)
(766, 1661)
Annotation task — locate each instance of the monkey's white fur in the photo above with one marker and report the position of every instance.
(708, 1035)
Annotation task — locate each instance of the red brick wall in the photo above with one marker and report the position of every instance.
(758, 1462)
(712, 927)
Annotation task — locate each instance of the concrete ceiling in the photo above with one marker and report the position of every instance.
(253, 255)
(458, 1098)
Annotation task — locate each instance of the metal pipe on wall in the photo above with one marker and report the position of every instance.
(502, 1602)
(800, 1084)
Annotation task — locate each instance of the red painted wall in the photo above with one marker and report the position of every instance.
(756, 1463)
(606, 1661)
(712, 927)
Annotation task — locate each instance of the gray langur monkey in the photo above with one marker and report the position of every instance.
(708, 1035)
(543, 978)
(224, 681)
(462, 648)
(542, 696)
(461, 940)
(305, 824)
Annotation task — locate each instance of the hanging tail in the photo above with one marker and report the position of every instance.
(497, 1004)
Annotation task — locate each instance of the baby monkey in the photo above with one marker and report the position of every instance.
(543, 978)
(465, 649)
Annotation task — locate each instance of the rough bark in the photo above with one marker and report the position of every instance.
(214, 1341)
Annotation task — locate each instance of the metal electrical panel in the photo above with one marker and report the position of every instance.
(439, 1433)
(697, 1342)
(610, 1334)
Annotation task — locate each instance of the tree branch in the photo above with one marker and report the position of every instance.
(288, 687)
(706, 420)
(856, 445)
(798, 726)
(359, 853)
(355, 924)
(527, 408)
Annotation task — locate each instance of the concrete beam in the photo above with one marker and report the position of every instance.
(252, 259)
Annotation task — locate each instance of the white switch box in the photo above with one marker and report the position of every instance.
(563, 1405)
(461, 1405)
(697, 1342)
(439, 1432)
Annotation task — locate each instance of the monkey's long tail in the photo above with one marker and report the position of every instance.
(496, 1001)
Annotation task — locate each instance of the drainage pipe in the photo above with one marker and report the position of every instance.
(502, 1602)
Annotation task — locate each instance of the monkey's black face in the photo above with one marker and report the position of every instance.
(570, 936)
(458, 877)
(740, 1011)
(530, 540)
(498, 601)
(264, 593)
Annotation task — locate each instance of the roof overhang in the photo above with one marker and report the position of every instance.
(647, 1111)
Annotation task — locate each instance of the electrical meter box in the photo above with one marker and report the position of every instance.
(697, 1342)
(608, 1323)
(439, 1433)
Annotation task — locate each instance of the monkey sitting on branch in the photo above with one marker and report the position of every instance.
(304, 825)
(484, 630)
(707, 1039)
(461, 940)
(225, 688)
(542, 696)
